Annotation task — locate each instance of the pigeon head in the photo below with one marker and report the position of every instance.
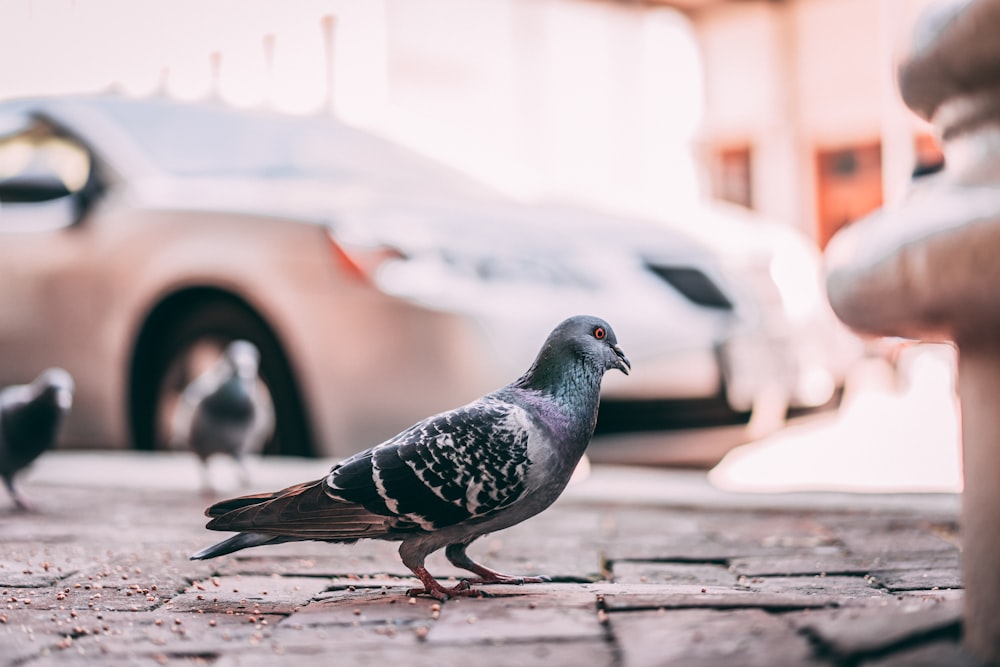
(56, 386)
(591, 339)
(244, 358)
(579, 346)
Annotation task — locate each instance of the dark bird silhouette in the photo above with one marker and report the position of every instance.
(453, 477)
(30, 416)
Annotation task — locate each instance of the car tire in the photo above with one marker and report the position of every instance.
(166, 369)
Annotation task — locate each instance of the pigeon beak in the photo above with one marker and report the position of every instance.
(64, 398)
(621, 363)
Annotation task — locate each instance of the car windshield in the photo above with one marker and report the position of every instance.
(218, 142)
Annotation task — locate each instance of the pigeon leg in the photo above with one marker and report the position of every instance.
(207, 490)
(434, 588)
(244, 472)
(19, 501)
(414, 560)
(455, 553)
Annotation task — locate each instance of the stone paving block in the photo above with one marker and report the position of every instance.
(151, 637)
(27, 632)
(175, 632)
(645, 572)
(489, 622)
(913, 580)
(895, 536)
(40, 564)
(543, 595)
(644, 534)
(316, 559)
(590, 652)
(939, 596)
(569, 521)
(256, 563)
(33, 529)
(835, 588)
(17, 574)
(485, 620)
(72, 658)
(716, 537)
(40, 534)
(562, 557)
(96, 597)
(785, 530)
(616, 522)
(257, 594)
(110, 515)
(160, 572)
(389, 583)
(379, 606)
(197, 632)
(709, 638)
(359, 635)
(85, 634)
(853, 631)
(615, 597)
(693, 548)
(944, 653)
(152, 559)
(840, 563)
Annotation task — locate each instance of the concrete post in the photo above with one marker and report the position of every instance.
(930, 269)
(979, 387)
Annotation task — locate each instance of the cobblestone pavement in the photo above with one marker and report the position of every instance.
(649, 568)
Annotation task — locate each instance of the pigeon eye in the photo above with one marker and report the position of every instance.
(600, 333)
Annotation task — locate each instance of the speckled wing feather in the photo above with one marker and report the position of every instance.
(456, 466)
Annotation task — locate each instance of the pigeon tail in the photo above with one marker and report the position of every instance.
(236, 543)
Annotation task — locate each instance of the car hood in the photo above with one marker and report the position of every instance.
(368, 214)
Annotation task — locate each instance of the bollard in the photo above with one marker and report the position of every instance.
(929, 269)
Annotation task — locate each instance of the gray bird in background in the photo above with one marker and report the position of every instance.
(30, 417)
(225, 411)
(453, 477)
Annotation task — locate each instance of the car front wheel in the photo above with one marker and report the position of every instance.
(173, 355)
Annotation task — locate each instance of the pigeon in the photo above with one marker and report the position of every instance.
(30, 417)
(453, 477)
(223, 411)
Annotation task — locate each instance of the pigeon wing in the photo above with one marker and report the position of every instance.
(303, 511)
(456, 466)
(459, 465)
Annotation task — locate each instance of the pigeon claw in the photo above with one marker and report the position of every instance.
(443, 593)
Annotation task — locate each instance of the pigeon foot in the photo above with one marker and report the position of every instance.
(21, 504)
(24, 506)
(443, 593)
(456, 555)
(434, 589)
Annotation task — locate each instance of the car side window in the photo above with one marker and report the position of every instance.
(40, 172)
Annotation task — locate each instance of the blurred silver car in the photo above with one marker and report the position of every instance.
(138, 237)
